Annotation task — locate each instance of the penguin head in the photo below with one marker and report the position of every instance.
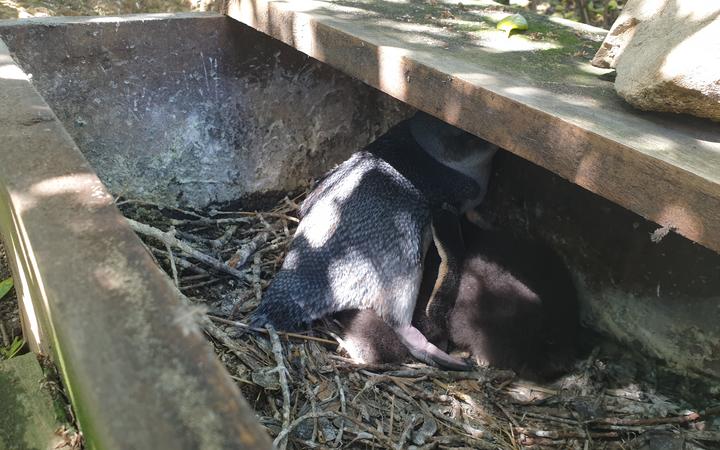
(455, 148)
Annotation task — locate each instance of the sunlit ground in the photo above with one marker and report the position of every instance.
(602, 16)
(19, 9)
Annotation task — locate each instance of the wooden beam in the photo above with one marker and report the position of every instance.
(535, 95)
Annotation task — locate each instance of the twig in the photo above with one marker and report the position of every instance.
(566, 434)
(200, 284)
(286, 430)
(693, 416)
(3, 332)
(702, 435)
(250, 213)
(392, 415)
(256, 272)
(551, 418)
(184, 263)
(281, 369)
(264, 331)
(379, 436)
(412, 422)
(214, 331)
(158, 206)
(173, 268)
(241, 255)
(479, 376)
(168, 238)
(343, 409)
(198, 277)
(209, 222)
(225, 238)
(310, 394)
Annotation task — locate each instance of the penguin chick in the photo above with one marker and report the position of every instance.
(370, 340)
(517, 307)
(364, 231)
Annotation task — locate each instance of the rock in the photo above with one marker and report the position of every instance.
(667, 56)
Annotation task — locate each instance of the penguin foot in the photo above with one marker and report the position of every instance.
(422, 349)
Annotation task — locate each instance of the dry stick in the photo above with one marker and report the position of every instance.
(182, 262)
(225, 238)
(158, 206)
(313, 403)
(200, 276)
(538, 442)
(378, 435)
(3, 333)
(210, 222)
(264, 331)
(343, 409)
(250, 213)
(392, 415)
(406, 432)
(702, 435)
(173, 268)
(256, 272)
(200, 284)
(241, 255)
(214, 331)
(282, 371)
(240, 304)
(287, 430)
(693, 416)
(550, 418)
(479, 376)
(566, 434)
(169, 238)
(192, 237)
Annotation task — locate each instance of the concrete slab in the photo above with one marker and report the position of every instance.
(195, 109)
(27, 415)
(137, 368)
(535, 95)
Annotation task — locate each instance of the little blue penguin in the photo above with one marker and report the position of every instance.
(512, 305)
(516, 305)
(366, 226)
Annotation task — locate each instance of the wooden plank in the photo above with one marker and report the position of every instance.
(535, 95)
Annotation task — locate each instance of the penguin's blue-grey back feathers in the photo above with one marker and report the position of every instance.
(359, 244)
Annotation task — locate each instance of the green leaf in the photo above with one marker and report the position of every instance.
(512, 22)
(13, 349)
(5, 286)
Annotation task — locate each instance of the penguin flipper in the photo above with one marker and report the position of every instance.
(427, 352)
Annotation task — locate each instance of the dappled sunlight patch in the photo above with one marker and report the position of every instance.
(678, 216)
(86, 187)
(391, 70)
(12, 72)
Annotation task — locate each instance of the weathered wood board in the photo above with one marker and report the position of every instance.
(534, 94)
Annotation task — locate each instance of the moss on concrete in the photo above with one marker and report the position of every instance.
(548, 52)
(27, 417)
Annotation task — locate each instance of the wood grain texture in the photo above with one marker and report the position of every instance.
(536, 96)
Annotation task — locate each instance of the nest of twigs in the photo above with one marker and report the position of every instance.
(309, 395)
